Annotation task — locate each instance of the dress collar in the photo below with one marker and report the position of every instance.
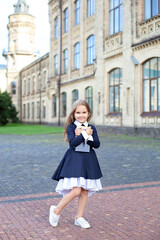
(78, 123)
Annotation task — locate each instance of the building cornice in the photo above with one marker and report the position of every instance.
(146, 43)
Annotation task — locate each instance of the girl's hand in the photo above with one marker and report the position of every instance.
(89, 131)
(78, 131)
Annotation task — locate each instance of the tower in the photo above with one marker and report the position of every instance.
(20, 53)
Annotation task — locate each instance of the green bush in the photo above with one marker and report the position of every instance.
(8, 112)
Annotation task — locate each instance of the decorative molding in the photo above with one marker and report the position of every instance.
(89, 69)
(145, 44)
(90, 23)
(113, 42)
(114, 56)
(76, 31)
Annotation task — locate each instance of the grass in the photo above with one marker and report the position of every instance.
(26, 129)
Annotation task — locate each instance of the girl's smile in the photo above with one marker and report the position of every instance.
(81, 114)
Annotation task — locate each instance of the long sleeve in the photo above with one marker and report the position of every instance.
(74, 141)
(95, 143)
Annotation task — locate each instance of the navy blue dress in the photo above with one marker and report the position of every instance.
(79, 164)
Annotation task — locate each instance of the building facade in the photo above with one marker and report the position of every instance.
(107, 52)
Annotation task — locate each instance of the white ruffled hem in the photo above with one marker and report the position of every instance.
(65, 185)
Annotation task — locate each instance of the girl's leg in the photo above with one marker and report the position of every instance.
(67, 199)
(82, 202)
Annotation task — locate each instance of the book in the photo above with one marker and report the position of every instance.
(83, 147)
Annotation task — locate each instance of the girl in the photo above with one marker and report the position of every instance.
(79, 173)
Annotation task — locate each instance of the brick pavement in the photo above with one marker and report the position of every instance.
(128, 212)
(127, 208)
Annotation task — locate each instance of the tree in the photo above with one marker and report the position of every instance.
(8, 112)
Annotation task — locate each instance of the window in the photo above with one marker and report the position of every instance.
(66, 20)
(24, 110)
(151, 8)
(77, 12)
(38, 82)
(29, 85)
(65, 60)
(64, 104)
(13, 88)
(44, 109)
(115, 15)
(77, 56)
(25, 87)
(74, 95)
(28, 110)
(54, 105)
(89, 97)
(44, 79)
(56, 28)
(90, 50)
(38, 109)
(91, 7)
(151, 85)
(33, 84)
(56, 65)
(115, 83)
(32, 110)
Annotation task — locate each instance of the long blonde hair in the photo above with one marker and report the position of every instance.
(71, 118)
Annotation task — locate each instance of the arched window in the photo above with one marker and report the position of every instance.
(90, 49)
(38, 109)
(89, 97)
(56, 65)
(13, 88)
(66, 20)
(24, 110)
(74, 95)
(44, 109)
(115, 16)
(77, 12)
(56, 28)
(28, 110)
(54, 105)
(77, 56)
(151, 8)
(32, 110)
(65, 60)
(64, 104)
(90, 7)
(115, 83)
(151, 85)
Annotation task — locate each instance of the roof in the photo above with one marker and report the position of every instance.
(21, 7)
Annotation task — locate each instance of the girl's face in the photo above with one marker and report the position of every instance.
(81, 114)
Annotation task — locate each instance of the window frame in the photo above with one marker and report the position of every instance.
(65, 60)
(65, 20)
(113, 9)
(90, 7)
(77, 12)
(77, 56)
(75, 95)
(64, 104)
(90, 49)
(54, 105)
(56, 64)
(150, 5)
(150, 79)
(114, 86)
(13, 88)
(56, 28)
(89, 97)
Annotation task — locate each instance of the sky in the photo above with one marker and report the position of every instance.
(37, 8)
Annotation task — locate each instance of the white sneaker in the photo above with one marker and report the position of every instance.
(53, 218)
(81, 222)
